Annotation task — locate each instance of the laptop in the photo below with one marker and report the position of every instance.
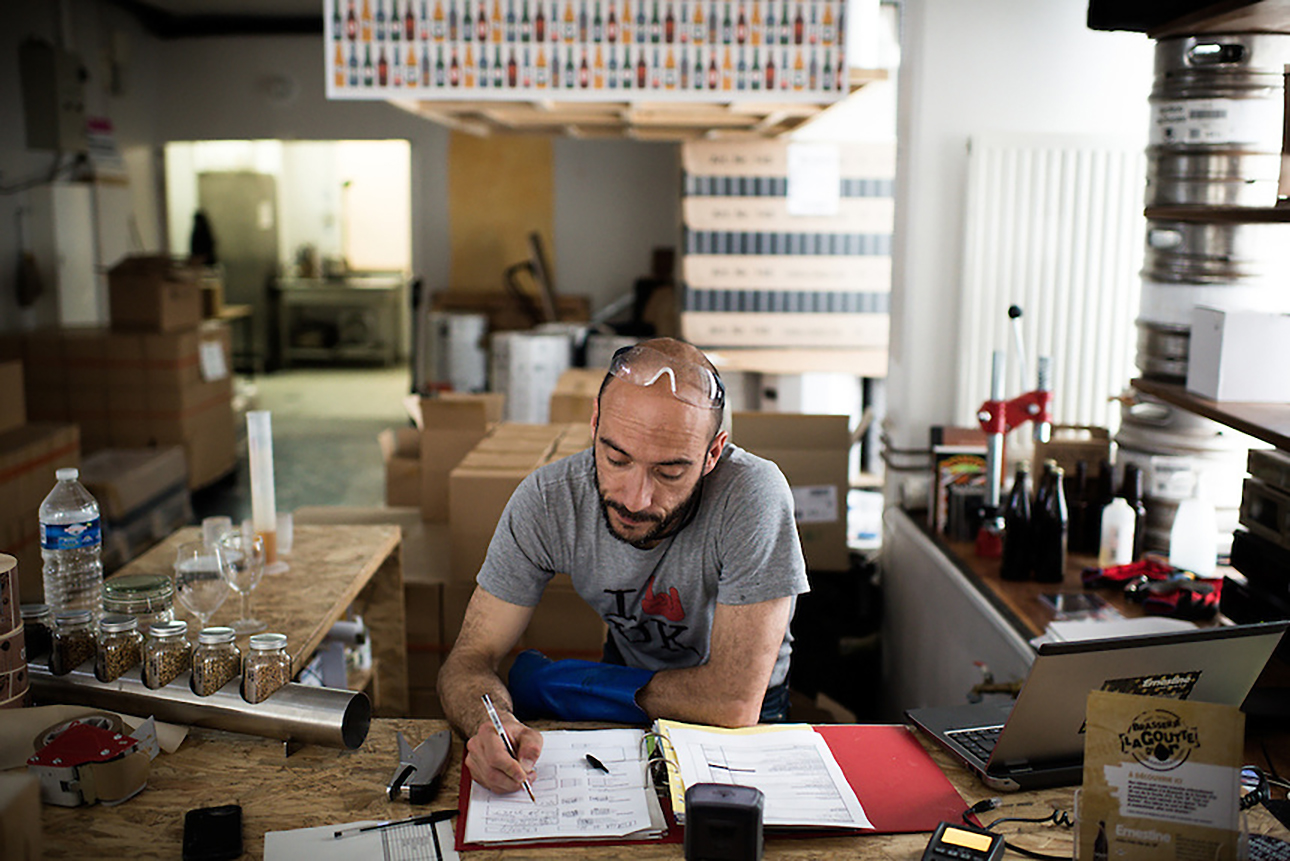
(1038, 740)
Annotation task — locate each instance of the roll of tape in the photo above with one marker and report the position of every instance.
(13, 650)
(19, 702)
(10, 617)
(102, 720)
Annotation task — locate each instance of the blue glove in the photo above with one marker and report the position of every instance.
(576, 690)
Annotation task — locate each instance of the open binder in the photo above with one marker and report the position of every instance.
(898, 785)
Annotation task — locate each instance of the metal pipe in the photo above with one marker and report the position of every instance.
(994, 443)
(294, 712)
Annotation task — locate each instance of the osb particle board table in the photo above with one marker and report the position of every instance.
(330, 569)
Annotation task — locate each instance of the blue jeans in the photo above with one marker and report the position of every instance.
(774, 706)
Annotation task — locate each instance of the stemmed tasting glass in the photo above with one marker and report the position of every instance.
(241, 560)
(199, 583)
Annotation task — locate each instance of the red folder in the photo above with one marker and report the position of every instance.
(900, 787)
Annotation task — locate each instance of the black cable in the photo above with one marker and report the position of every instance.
(1057, 817)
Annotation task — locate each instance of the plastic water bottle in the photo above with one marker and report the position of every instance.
(71, 543)
(1193, 538)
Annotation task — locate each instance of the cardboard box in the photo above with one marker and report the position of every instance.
(29, 457)
(1239, 355)
(20, 836)
(450, 429)
(127, 481)
(154, 294)
(401, 452)
(1070, 444)
(575, 393)
(812, 451)
(476, 499)
(563, 623)
(13, 401)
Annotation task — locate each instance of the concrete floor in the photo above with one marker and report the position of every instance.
(325, 423)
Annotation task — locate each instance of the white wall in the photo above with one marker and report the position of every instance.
(967, 68)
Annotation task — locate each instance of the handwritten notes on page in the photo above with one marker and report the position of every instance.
(575, 800)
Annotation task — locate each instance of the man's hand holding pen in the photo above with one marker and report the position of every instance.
(491, 764)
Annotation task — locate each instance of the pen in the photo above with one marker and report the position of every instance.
(597, 764)
(437, 816)
(506, 740)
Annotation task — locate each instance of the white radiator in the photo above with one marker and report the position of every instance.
(1054, 225)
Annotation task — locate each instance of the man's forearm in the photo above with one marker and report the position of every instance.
(704, 695)
(462, 681)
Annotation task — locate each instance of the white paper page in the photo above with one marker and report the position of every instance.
(794, 769)
(400, 843)
(573, 798)
(1071, 631)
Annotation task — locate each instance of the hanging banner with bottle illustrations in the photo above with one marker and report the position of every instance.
(587, 50)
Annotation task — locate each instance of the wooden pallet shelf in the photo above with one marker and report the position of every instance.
(647, 121)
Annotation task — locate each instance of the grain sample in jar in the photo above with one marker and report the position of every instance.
(38, 623)
(166, 654)
(267, 667)
(147, 597)
(73, 642)
(216, 660)
(120, 647)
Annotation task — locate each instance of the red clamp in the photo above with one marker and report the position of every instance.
(1000, 417)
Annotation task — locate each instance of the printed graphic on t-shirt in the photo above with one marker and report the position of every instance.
(646, 628)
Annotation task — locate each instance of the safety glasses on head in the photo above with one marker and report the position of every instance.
(689, 382)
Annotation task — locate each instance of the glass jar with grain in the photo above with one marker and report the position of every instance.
(216, 660)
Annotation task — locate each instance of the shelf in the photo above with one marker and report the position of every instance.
(1267, 422)
(1221, 214)
(646, 121)
(1230, 16)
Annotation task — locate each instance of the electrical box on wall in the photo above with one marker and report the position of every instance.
(53, 97)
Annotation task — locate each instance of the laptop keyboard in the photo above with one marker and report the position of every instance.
(979, 740)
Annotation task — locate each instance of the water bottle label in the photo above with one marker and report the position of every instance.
(70, 536)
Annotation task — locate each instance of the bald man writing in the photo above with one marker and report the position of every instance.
(683, 543)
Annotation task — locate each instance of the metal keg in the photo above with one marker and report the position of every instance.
(1176, 449)
(1216, 119)
(1162, 350)
(454, 352)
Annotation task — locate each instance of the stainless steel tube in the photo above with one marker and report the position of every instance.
(295, 712)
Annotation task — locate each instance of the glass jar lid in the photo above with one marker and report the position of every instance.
(36, 612)
(215, 636)
(268, 642)
(117, 624)
(176, 628)
(72, 617)
(138, 593)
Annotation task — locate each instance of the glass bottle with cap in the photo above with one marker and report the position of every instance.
(73, 642)
(38, 629)
(216, 660)
(267, 667)
(148, 597)
(166, 654)
(120, 646)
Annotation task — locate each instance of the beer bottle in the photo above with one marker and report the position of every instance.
(1077, 504)
(1051, 526)
(1017, 528)
(1101, 492)
(1131, 490)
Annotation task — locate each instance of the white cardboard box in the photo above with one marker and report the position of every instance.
(1239, 356)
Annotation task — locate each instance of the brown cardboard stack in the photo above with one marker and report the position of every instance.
(151, 293)
(130, 389)
(812, 452)
(142, 494)
(450, 427)
(30, 454)
(574, 394)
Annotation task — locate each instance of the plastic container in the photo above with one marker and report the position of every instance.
(1119, 521)
(166, 654)
(216, 660)
(71, 544)
(149, 598)
(38, 629)
(73, 642)
(120, 647)
(1193, 545)
(267, 667)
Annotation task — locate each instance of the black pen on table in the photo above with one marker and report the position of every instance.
(597, 764)
(437, 816)
(506, 740)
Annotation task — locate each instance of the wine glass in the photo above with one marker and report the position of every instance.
(199, 584)
(241, 561)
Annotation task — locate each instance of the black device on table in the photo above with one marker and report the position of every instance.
(213, 833)
(952, 842)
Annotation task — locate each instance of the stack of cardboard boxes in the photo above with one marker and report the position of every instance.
(160, 376)
(30, 453)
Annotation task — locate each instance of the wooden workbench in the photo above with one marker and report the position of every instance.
(331, 570)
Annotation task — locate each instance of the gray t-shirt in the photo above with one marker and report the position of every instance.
(741, 547)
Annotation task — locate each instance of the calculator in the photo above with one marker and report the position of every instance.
(963, 843)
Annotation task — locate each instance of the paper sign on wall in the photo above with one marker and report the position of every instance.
(1161, 778)
(815, 504)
